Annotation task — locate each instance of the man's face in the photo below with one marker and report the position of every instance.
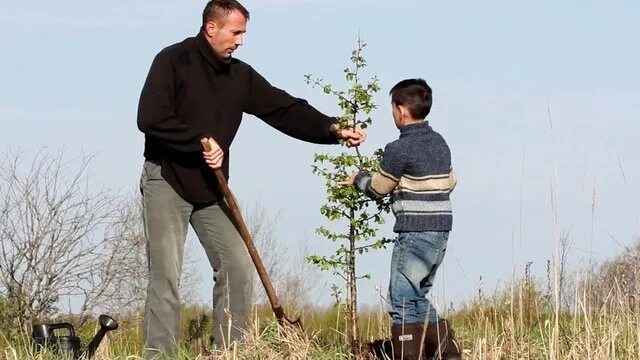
(225, 35)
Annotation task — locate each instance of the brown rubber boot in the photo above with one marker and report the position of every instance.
(440, 342)
(406, 340)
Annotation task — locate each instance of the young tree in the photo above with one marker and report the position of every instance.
(357, 214)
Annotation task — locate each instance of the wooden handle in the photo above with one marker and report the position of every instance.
(205, 144)
(246, 236)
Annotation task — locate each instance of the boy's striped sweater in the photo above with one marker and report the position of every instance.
(417, 169)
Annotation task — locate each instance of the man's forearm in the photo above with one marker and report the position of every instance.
(302, 121)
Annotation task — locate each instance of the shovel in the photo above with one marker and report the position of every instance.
(253, 252)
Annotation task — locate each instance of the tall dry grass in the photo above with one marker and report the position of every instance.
(517, 322)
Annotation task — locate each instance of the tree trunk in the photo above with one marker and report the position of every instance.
(353, 292)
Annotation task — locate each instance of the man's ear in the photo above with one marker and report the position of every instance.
(210, 27)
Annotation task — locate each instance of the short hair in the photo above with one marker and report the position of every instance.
(218, 9)
(415, 94)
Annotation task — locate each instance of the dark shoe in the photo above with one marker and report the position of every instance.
(407, 340)
(440, 342)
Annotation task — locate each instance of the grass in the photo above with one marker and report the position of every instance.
(518, 322)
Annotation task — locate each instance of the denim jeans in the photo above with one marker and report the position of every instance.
(166, 219)
(415, 259)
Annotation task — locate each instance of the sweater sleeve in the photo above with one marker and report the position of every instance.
(290, 115)
(156, 110)
(386, 179)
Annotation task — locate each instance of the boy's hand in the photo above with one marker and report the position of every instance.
(353, 136)
(348, 181)
(214, 156)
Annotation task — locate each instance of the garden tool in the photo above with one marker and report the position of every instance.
(253, 252)
(68, 346)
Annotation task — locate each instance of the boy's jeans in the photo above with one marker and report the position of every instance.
(415, 259)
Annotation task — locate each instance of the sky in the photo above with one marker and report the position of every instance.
(538, 100)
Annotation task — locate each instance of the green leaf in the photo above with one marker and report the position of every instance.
(351, 214)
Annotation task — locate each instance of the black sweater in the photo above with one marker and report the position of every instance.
(190, 93)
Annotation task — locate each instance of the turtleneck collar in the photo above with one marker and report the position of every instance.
(422, 126)
(205, 49)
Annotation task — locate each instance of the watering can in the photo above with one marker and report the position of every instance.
(61, 338)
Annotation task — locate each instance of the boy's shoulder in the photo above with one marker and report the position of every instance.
(440, 139)
(394, 146)
(434, 132)
(433, 137)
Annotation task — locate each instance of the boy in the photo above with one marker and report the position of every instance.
(417, 169)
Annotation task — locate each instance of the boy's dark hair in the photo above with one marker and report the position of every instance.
(218, 9)
(415, 94)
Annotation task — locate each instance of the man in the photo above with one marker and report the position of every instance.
(195, 89)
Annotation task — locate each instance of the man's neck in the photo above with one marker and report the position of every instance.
(207, 51)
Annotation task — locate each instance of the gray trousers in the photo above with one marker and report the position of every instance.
(166, 219)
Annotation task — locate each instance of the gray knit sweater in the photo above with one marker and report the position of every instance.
(417, 169)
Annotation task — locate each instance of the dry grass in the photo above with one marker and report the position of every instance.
(515, 323)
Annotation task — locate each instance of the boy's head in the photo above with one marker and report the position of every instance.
(411, 101)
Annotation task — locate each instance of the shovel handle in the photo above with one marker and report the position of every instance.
(246, 236)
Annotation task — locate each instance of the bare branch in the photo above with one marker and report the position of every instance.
(63, 238)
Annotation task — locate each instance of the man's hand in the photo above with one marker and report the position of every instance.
(214, 156)
(348, 181)
(353, 136)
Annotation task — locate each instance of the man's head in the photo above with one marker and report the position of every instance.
(224, 23)
(411, 101)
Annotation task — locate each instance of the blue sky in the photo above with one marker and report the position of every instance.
(534, 98)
